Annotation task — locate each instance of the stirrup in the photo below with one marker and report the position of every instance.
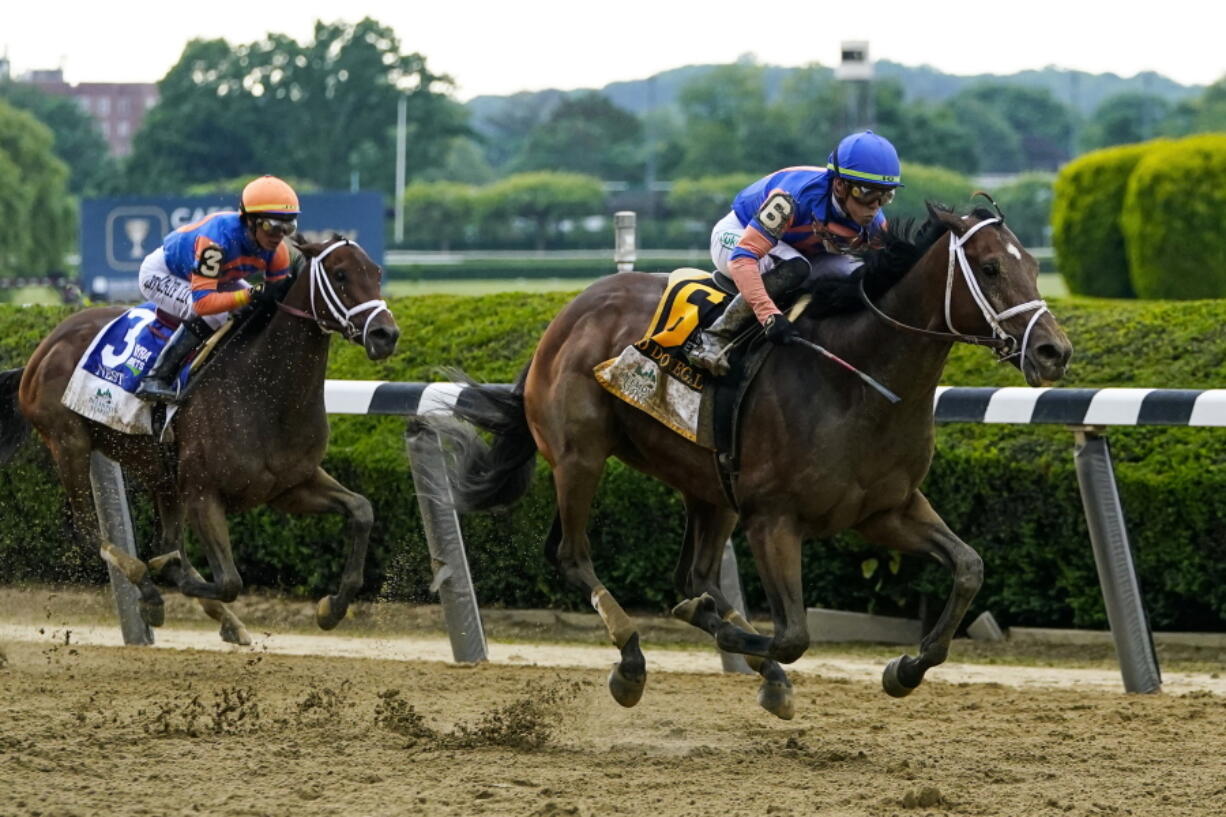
(155, 391)
(710, 355)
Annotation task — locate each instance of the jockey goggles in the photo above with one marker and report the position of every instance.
(279, 227)
(871, 195)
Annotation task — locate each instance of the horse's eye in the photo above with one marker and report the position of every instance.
(991, 268)
(339, 275)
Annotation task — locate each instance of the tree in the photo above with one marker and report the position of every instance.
(725, 128)
(78, 142)
(439, 213)
(1203, 114)
(324, 110)
(997, 146)
(1042, 123)
(543, 199)
(1124, 119)
(34, 204)
(707, 199)
(1026, 203)
(585, 134)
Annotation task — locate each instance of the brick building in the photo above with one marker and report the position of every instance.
(118, 107)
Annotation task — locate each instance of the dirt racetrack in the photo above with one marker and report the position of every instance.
(96, 730)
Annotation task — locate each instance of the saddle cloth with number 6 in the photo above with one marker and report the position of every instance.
(654, 374)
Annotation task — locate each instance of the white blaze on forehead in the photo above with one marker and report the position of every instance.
(1014, 251)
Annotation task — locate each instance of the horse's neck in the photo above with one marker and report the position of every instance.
(291, 356)
(910, 364)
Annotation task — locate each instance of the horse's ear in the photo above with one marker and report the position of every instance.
(940, 214)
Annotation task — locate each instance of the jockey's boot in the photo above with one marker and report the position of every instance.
(158, 384)
(713, 342)
(711, 346)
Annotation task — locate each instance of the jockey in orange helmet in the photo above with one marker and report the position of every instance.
(196, 276)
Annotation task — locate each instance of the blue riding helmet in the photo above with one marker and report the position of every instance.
(866, 157)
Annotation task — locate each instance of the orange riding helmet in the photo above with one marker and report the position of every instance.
(269, 196)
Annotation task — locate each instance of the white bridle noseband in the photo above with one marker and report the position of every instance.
(336, 308)
(957, 257)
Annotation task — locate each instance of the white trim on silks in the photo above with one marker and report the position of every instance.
(439, 398)
(1116, 407)
(1013, 404)
(1210, 409)
(349, 396)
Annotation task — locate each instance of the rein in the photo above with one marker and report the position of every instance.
(1006, 345)
(341, 317)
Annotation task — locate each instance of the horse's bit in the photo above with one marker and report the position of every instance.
(342, 317)
(1005, 345)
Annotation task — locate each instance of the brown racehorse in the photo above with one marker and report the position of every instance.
(820, 453)
(253, 432)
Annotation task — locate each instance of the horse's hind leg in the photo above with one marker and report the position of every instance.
(916, 528)
(576, 475)
(323, 494)
(707, 528)
(70, 449)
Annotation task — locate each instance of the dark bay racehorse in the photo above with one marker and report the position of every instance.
(253, 432)
(820, 453)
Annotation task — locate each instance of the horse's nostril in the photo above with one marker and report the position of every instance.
(1053, 354)
(384, 334)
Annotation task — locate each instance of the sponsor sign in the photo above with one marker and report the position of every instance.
(117, 233)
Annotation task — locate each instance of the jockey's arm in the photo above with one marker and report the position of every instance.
(206, 275)
(761, 235)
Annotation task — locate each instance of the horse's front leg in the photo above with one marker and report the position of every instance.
(207, 516)
(916, 528)
(774, 538)
(173, 562)
(323, 494)
(707, 528)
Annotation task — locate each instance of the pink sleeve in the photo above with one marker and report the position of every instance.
(748, 281)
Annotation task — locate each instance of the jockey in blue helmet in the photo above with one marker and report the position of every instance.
(790, 224)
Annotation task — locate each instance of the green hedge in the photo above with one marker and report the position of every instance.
(1088, 199)
(1174, 219)
(1009, 491)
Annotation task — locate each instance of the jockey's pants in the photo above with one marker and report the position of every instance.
(171, 293)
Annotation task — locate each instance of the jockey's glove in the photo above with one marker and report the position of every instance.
(779, 329)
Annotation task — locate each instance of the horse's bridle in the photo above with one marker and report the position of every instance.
(1005, 345)
(341, 318)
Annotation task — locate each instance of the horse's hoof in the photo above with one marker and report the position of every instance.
(686, 610)
(235, 634)
(158, 563)
(327, 615)
(890, 681)
(626, 691)
(777, 699)
(153, 612)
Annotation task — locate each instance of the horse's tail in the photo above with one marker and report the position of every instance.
(489, 476)
(13, 426)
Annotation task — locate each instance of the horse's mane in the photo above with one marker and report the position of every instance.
(905, 243)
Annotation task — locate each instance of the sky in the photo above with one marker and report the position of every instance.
(504, 47)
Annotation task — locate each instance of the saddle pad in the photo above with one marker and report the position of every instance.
(654, 374)
(102, 385)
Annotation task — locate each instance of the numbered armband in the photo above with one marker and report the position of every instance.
(775, 214)
(209, 261)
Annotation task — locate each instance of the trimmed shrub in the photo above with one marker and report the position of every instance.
(1010, 491)
(1087, 200)
(1174, 220)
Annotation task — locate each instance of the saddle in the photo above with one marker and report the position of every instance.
(655, 376)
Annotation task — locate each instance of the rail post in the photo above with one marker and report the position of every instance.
(1134, 645)
(452, 579)
(115, 526)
